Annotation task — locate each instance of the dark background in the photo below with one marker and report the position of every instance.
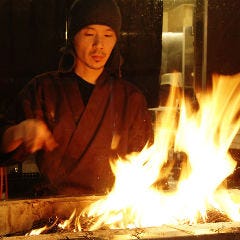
(33, 31)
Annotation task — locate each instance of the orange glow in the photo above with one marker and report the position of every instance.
(138, 199)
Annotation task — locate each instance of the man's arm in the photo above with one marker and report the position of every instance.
(32, 133)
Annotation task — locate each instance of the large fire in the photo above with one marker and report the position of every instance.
(204, 135)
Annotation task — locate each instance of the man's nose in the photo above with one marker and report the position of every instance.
(98, 41)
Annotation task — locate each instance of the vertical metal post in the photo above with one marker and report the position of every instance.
(205, 36)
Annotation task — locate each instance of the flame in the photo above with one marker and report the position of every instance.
(204, 136)
(38, 231)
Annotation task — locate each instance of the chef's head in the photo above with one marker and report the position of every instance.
(90, 12)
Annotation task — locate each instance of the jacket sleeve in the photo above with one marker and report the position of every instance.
(21, 108)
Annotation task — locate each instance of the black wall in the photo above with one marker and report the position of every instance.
(223, 37)
(32, 31)
(141, 45)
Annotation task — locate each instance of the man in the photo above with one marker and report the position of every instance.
(81, 117)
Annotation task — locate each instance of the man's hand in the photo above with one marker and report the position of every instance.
(33, 133)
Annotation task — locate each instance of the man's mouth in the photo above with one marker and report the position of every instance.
(97, 58)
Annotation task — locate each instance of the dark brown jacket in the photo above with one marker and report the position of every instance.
(115, 122)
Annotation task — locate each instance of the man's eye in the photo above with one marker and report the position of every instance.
(108, 35)
(89, 34)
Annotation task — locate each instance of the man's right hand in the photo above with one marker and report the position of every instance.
(33, 133)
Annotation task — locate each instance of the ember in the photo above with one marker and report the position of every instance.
(56, 225)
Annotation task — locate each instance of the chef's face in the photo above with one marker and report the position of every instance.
(93, 46)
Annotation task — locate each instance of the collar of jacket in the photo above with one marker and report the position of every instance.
(103, 79)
